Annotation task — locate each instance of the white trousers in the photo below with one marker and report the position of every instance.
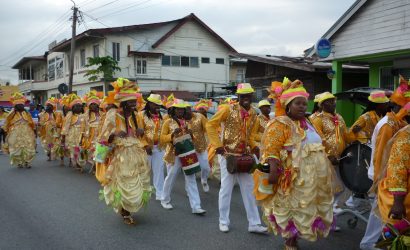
(205, 168)
(190, 185)
(157, 167)
(373, 229)
(225, 193)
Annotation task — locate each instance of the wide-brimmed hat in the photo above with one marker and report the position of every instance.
(179, 103)
(378, 97)
(325, 96)
(155, 98)
(244, 88)
(263, 103)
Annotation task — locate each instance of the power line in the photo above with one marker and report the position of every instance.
(41, 34)
(125, 9)
(101, 6)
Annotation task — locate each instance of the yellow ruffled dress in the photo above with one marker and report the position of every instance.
(74, 129)
(301, 203)
(128, 173)
(20, 140)
(50, 132)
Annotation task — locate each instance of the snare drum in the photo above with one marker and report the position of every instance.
(185, 151)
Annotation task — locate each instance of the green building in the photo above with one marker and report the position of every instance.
(375, 33)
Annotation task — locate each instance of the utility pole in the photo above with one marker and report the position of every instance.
(74, 25)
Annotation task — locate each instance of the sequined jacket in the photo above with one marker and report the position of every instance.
(198, 126)
(166, 138)
(152, 129)
(236, 130)
(367, 122)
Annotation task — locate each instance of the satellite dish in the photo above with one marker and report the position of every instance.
(63, 88)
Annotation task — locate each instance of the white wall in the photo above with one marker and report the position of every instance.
(378, 26)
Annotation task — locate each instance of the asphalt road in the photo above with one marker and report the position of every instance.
(53, 207)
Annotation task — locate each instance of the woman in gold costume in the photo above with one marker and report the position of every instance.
(299, 204)
(19, 127)
(128, 186)
(50, 128)
(73, 130)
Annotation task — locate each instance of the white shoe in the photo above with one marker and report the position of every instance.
(223, 228)
(166, 205)
(257, 229)
(198, 211)
(205, 187)
(337, 229)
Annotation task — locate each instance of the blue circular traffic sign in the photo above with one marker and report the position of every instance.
(323, 48)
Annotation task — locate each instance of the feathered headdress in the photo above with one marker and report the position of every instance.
(204, 104)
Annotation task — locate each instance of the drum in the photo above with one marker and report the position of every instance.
(354, 163)
(185, 151)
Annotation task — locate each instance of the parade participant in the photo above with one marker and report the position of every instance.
(167, 103)
(197, 124)
(299, 204)
(384, 130)
(128, 186)
(238, 131)
(393, 189)
(73, 131)
(173, 128)
(19, 127)
(203, 106)
(3, 116)
(212, 159)
(316, 108)
(362, 129)
(92, 119)
(107, 105)
(62, 151)
(151, 121)
(263, 118)
(331, 127)
(50, 128)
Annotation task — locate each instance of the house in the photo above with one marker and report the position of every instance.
(261, 70)
(183, 54)
(374, 33)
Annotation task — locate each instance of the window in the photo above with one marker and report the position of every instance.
(96, 50)
(82, 57)
(194, 62)
(116, 51)
(51, 69)
(386, 78)
(240, 75)
(184, 61)
(175, 60)
(205, 60)
(141, 66)
(59, 67)
(166, 61)
(220, 61)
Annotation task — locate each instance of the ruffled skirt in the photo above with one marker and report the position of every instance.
(21, 144)
(304, 210)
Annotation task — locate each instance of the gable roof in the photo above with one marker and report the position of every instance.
(338, 24)
(92, 33)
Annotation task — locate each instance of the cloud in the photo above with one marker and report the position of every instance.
(276, 27)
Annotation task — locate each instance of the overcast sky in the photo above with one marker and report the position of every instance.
(276, 27)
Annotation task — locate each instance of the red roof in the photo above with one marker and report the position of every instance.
(92, 33)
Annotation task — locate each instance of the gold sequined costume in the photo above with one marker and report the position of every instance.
(74, 129)
(50, 129)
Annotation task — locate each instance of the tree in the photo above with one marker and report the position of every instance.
(106, 66)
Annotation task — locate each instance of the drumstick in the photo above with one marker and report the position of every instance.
(346, 156)
(367, 164)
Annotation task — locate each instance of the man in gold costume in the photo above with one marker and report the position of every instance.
(238, 137)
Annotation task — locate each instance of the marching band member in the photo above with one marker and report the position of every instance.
(203, 106)
(19, 127)
(73, 130)
(128, 186)
(263, 118)
(151, 121)
(167, 103)
(174, 127)
(316, 108)
(197, 124)
(299, 203)
(384, 130)
(237, 122)
(92, 119)
(362, 129)
(50, 126)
